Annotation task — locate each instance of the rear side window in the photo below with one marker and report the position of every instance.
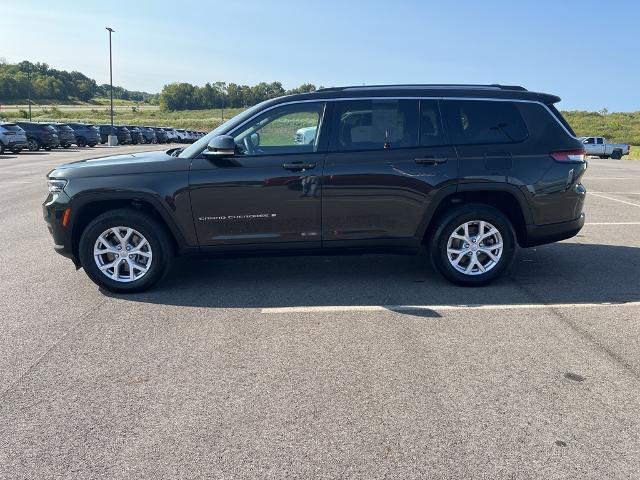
(375, 124)
(473, 122)
(431, 131)
(11, 128)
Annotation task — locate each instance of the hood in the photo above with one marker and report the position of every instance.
(129, 164)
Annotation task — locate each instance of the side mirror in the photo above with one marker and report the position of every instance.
(221, 146)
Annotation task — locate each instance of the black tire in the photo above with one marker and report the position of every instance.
(48, 149)
(81, 142)
(148, 227)
(34, 145)
(1, 148)
(603, 157)
(66, 145)
(616, 154)
(16, 150)
(92, 145)
(457, 217)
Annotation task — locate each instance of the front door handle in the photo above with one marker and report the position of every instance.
(430, 160)
(297, 166)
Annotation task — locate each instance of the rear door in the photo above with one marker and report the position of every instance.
(269, 192)
(387, 160)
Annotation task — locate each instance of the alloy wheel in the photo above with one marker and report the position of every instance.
(122, 254)
(475, 247)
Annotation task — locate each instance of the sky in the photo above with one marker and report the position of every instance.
(587, 52)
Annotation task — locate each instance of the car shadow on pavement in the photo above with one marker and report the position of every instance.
(563, 273)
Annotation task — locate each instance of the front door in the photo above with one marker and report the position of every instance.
(387, 159)
(269, 192)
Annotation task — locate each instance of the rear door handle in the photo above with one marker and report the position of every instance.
(297, 166)
(430, 160)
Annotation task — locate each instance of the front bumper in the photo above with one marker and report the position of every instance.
(53, 210)
(554, 232)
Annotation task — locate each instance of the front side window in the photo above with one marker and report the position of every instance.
(600, 140)
(288, 129)
(590, 141)
(483, 122)
(375, 124)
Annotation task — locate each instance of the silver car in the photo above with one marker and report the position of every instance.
(12, 137)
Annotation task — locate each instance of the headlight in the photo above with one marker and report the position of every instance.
(56, 185)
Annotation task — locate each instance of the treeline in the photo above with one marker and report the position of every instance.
(185, 96)
(19, 80)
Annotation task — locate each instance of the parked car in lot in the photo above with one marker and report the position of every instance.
(86, 134)
(598, 147)
(12, 137)
(148, 135)
(66, 135)
(173, 135)
(136, 134)
(467, 172)
(124, 135)
(105, 131)
(39, 135)
(161, 135)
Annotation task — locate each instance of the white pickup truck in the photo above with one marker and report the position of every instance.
(598, 147)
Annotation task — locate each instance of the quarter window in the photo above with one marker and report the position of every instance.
(481, 122)
(375, 124)
(289, 129)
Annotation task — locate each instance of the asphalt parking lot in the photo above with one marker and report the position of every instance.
(316, 367)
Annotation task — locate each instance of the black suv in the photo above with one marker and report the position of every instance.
(85, 134)
(66, 135)
(136, 134)
(468, 172)
(39, 135)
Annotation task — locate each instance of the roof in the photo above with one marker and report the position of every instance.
(497, 91)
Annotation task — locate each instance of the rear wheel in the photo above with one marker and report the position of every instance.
(48, 149)
(16, 150)
(473, 245)
(125, 251)
(616, 154)
(81, 142)
(33, 145)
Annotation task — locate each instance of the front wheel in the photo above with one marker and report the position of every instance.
(16, 150)
(81, 142)
(473, 245)
(125, 251)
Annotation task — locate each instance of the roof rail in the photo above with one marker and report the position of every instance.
(493, 86)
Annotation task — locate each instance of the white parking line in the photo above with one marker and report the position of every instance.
(618, 193)
(612, 223)
(436, 308)
(616, 199)
(612, 178)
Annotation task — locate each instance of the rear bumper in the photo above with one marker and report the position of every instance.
(554, 232)
(16, 144)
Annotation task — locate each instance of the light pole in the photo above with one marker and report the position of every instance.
(112, 139)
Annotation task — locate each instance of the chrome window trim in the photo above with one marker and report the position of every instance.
(518, 100)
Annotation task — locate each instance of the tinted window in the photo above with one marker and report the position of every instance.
(375, 124)
(431, 131)
(481, 122)
(288, 129)
(11, 128)
(600, 141)
(590, 141)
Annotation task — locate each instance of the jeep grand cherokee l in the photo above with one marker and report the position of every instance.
(468, 172)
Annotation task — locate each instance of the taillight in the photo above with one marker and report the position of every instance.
(569, 155)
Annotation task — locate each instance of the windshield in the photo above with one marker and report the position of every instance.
(196, 148)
